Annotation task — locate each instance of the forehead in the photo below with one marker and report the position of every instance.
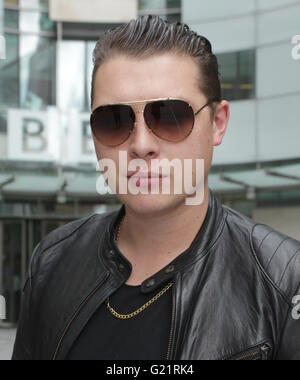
(123, 79)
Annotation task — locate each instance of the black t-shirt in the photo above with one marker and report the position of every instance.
(143, 337)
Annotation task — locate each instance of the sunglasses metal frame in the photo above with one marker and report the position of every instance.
(152, 101)
(146, 102)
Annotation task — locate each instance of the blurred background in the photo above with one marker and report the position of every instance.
(47, 159)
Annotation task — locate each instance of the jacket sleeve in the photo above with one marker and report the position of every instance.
(279, 258)
(23, 344)
(290, 343)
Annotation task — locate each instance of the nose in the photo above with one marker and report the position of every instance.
(142, 141)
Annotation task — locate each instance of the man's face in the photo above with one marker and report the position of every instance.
(123, 79)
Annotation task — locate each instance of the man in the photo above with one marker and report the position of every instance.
(160, 279)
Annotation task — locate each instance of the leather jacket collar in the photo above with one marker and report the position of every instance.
(119, 266)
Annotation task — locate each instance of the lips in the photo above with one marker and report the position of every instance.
(145, 175)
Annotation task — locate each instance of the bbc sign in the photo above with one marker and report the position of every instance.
(50, 136)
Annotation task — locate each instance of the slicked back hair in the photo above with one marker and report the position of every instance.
(151, 35)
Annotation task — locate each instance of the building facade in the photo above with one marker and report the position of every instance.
(48, 168)
(257, 168)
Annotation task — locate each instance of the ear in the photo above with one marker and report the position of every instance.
(220, 122)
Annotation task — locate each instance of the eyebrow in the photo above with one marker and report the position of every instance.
(146, 101)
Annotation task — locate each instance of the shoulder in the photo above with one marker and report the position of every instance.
(70, 229)
(69, 233)
(277, 255)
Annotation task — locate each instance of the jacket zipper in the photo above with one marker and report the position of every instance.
(260, 352)
(77, 312)
(172, 323)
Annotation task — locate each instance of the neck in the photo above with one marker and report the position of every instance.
(151, 243)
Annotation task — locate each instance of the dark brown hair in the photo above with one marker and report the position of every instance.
(150, 35)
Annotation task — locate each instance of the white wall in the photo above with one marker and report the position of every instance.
(279, 128)
(277, 72)
(93, 11)
(200, 10)
(267, 128)
(236, 24)
(239, 144)
(283, 219)
(228, 25)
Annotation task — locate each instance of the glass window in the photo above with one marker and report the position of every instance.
(29, 21)
(46, 25)
(172, 18)
(174, 4)
(152, 4)
(159, 4)
(11, 3)
(44, 3)
(38, 72)
(247, 64)
(11, 19)
(161, 7)
(33, 4)
(35, 22)
(9, 73)
(71, 75)
(238, 74)
(3, 129)
(1, 17)
(11, 275)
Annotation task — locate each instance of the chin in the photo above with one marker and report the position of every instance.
(148, 204)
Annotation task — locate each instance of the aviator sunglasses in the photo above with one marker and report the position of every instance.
(169, 119)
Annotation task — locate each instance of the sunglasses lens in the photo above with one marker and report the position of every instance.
(171, 120)
(111, 125)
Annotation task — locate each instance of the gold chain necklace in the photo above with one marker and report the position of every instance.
(142, 308)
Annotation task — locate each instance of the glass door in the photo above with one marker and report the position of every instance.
(12, 265)
(18, 238)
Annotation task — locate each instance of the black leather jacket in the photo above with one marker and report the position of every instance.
(233, 297)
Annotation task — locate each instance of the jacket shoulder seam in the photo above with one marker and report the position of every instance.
(285, 267)
(30, 265)
(68, 234)
(262, 269)
(288, 264)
